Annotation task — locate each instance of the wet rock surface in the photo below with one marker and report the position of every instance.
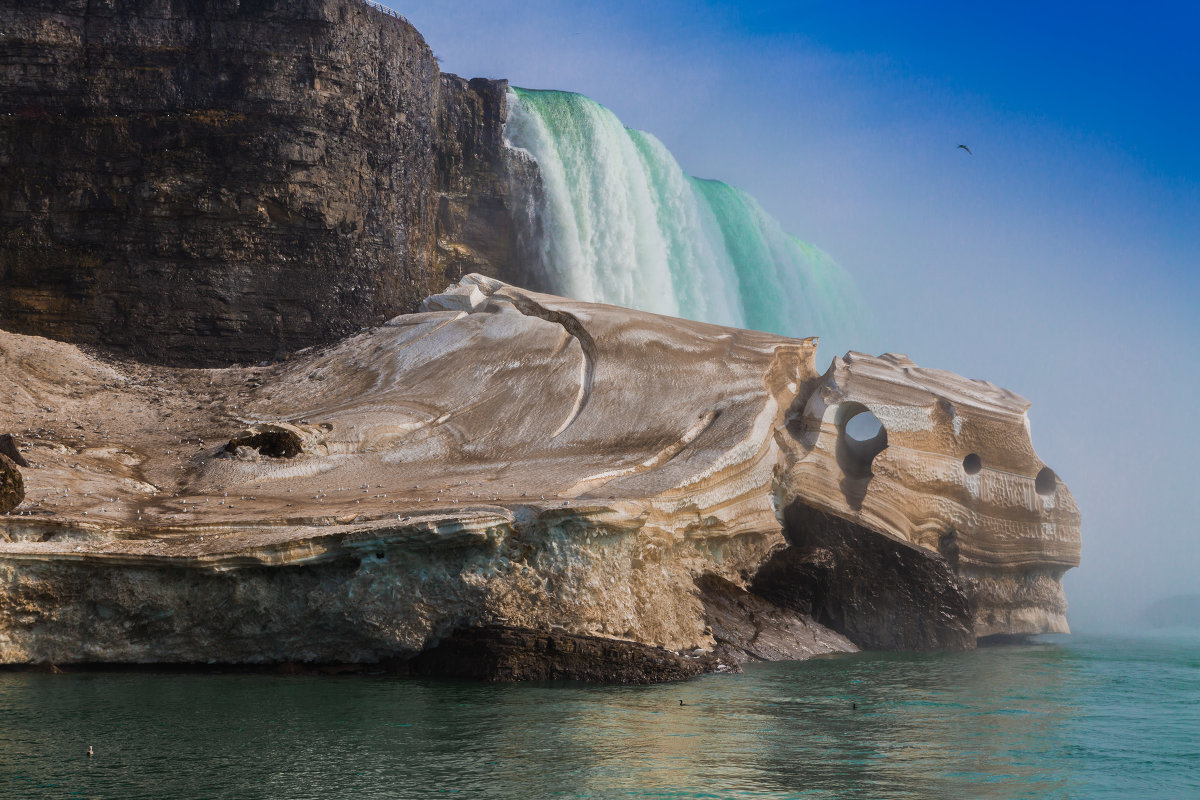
(500, 653)
(487, 192)
(750, 628)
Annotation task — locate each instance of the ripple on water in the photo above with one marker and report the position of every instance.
(1076, 718)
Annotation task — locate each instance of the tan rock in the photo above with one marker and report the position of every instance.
(516, 461)
(954, 473)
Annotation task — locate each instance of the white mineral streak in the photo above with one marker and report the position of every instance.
(503, 457)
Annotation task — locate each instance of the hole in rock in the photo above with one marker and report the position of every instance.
(1046, 481)
(273, 443)
(972, 464)
(862, 438)
(863, 426)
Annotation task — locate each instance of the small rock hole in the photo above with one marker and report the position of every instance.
(1046, 481)
(863, 437)
(972, 464)
(863, 426)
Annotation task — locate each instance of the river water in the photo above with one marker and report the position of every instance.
(1070, 717)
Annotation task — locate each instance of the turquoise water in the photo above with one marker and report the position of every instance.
(1076, 718)
(622, 223)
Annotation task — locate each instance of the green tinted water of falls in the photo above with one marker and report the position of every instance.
(622, 223)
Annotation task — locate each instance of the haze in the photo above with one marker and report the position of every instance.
(1059, 260)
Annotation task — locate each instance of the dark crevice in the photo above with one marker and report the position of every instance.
(273, 443)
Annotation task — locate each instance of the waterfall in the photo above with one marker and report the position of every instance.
(622, 223)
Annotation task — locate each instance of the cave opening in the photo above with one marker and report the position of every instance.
(972, 464)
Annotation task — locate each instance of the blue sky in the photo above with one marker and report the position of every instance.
(1061, 260)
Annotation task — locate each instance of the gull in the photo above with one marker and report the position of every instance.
(964, 147)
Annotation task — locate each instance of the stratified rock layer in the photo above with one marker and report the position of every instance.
(510, 467)
(225, 181)
(953, 472)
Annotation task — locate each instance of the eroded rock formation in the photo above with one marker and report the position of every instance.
(952, 472)
(510, 473)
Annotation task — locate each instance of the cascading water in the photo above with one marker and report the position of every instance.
(621, 223)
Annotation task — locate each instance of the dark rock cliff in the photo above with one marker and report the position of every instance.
(209, 181)
(486, 191)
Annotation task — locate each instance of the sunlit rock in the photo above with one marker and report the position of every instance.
(510, 467)
(952, 471)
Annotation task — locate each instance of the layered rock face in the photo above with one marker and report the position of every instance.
(522, 481)
(211, 182)
(488, 193)
(953, 472)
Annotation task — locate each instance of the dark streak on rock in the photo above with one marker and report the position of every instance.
(12, 485)
(8, 447)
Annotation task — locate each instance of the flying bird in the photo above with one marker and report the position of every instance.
(964, 147)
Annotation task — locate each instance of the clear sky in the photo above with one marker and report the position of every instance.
(1060, 260)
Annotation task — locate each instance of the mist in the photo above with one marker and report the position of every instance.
(1057, 259)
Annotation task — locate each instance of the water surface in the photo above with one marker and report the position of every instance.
(1070, 718)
